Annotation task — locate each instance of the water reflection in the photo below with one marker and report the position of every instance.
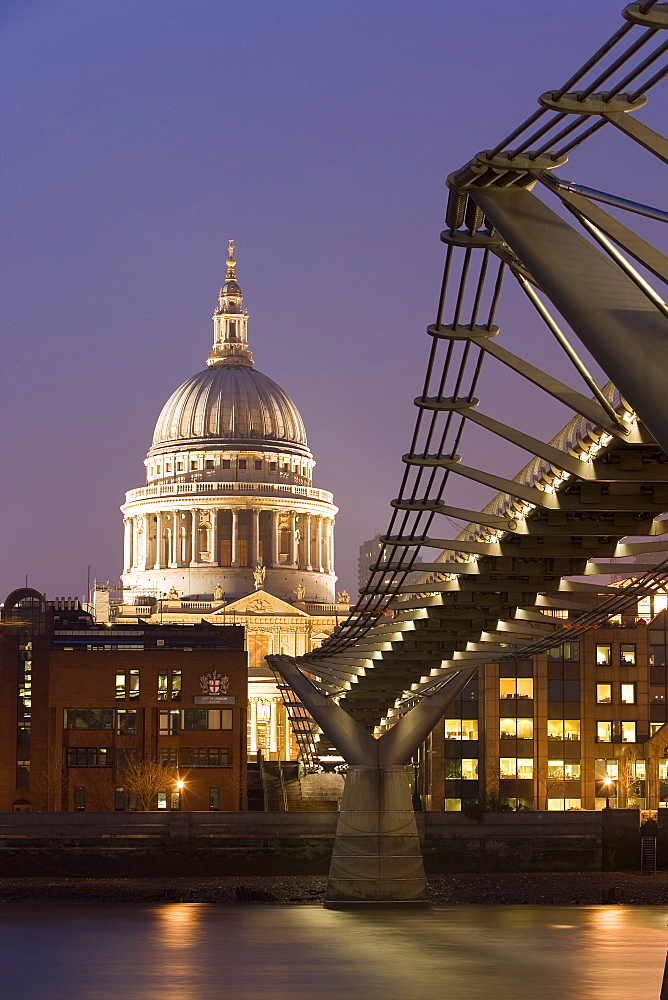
(193, 951)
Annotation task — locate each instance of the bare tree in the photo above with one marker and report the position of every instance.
(145, 776)
(627, 779)
(51, 779)
(548, 780)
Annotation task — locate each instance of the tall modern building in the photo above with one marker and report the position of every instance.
(229, 506)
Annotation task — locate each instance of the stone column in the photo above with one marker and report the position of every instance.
(235, 541)
(255, 538)
(273, 725)
(318, 559)
(193, 537)
(294, 545)
(331, 545)
(127, 544)
(253, 724)
(158, 541)
(307, 541)
(142, 550)
(213, 553)
(174, 553)
(275, 538)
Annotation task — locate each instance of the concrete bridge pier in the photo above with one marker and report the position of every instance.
(377, 859)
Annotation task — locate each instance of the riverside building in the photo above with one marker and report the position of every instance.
(546, 732)
(135, 716)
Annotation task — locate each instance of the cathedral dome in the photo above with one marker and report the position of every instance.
(229, 406)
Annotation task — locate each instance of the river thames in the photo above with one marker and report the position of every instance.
(198, 951)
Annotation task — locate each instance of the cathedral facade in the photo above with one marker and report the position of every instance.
(229, 528)
(229, 505)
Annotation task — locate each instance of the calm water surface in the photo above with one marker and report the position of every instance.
(196, 951)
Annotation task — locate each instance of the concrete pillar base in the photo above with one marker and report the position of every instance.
(377, 860)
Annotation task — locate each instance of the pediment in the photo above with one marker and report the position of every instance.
(260, 603)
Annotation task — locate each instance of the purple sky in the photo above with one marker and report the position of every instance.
(140, 136)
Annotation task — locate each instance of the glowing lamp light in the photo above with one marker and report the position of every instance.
(180, 784)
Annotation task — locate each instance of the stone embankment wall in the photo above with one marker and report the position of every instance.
(301, 842)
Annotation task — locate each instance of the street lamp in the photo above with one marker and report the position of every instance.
(607, 782)
(180, 784)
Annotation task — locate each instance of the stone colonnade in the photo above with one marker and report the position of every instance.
(230, 537)
(268, 727)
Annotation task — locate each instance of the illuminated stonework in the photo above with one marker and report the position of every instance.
(229, 504)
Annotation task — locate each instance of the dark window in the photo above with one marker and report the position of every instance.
(272, 466)
(195, 718)
(80, 798)
(88, 757)
(119, 799)
(453, 768)
(258, 464)
(123, 755)
(226, 463)
(23, 777)
(89, 718)
(209, 757)
(214, 798)
(169, 756)
(126, 721)
(209, 463)
(242, 463)
(563, 690)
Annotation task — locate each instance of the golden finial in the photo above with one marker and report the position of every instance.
(231, 262)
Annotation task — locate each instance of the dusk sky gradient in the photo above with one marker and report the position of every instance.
(139, 136)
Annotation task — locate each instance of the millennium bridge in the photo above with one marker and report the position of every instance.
(437, 608)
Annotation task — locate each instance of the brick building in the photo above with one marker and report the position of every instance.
(101, 718)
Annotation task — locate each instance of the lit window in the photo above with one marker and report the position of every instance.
(162, 685)
(604, 732)
(516, 687)
(606, 768)
(169, 722)
(120, 684)
(453, 805)
(639, 769)
(571, 769)
(508, 729)
(555, 729)
(179, 466)
(628, 694)
(558, 805)
(663, 770)
(628, 732)
(134, 683)
(604, 655)
(507, 767)
(571, 729)
(168, 467)
(654, 727)
(461, 729)
(525, 729)
(470, 769)
(525, 767)
(193, 463)
(555, 769)
(627, 653)
(162, 800)
(604, 694)
(176, 685)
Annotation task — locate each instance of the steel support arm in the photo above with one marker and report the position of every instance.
(614, 320)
